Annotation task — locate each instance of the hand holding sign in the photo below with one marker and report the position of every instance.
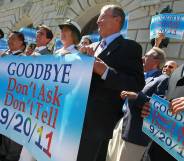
(145, 110)
(177, 105)
(159, 39)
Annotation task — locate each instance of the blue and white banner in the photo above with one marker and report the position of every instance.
(43, 103)
(29, 34)
(124, 29)
(172, 25)
(57, 44)
(165, 128)
(95, 37)
(3, 44)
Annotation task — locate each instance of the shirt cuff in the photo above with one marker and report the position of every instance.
(104, 75)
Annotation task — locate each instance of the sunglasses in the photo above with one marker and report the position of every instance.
(169, 66)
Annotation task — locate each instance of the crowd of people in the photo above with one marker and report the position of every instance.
(119, 72)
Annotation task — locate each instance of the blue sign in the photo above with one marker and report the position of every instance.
(172, 25)
(94, 37)
(29, 34)
(124, 30)
(3, 44)
(57, 44)
(165, 128)
(43, 103)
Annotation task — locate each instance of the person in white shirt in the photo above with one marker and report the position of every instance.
(70, 37)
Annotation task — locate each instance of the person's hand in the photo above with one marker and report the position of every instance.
(177, 105)
(87, 50)
(145, 110)
(1, 53)
(128, 94)
(99, 67)
(159, 38)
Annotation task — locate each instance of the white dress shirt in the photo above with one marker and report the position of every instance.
(69, 49)
(40, 48)
(109, 39)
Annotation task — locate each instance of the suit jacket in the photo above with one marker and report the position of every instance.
(45, 51)
(157, 73)
(133, 122)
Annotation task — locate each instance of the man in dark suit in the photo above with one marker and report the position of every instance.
(43, 37)
(10, 150)
(118, 67)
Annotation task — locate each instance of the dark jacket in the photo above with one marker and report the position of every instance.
(132, 127)
(45, 51)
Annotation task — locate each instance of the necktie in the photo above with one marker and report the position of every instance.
(100, 48)
(103, 44)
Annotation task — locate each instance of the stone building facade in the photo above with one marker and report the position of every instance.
(15, 14)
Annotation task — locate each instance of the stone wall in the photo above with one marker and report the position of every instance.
(19, 13)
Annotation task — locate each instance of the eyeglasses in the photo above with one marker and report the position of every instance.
(169, 66)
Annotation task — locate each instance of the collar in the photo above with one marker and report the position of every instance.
(37, 49)
(150, 73)
(71, 48)
(17, 51)
(111, 38)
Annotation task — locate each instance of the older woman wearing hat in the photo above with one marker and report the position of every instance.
(70, 37)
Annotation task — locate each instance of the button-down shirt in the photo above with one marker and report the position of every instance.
(72, 49)
(17, 52)
(38, 49)
(150, 73)
(69, 49)
(108, 40)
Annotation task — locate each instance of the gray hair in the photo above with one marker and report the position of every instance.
(160, 55)
(116, 11)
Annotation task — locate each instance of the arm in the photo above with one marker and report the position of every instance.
(177, 105)
(125, 68)
(159, 39)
